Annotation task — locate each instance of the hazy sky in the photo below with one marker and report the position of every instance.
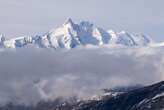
(30, 17)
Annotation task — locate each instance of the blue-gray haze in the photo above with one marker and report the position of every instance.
(30, 17)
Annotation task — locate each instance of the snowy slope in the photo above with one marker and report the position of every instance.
(144, 98)
(71, 35)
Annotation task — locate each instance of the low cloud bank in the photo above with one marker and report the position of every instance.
(30, 75)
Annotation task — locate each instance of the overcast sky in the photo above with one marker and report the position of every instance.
(30, 17)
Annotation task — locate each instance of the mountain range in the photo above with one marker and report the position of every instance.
(72, 35)
(142, 98)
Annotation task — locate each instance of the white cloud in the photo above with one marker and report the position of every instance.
(29, 75)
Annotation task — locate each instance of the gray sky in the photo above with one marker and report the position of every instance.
(30, 17)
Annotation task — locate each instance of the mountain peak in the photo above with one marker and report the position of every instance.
(123, 32)
(71, 35)
(111, 31)
(68, 21)
(2, 38)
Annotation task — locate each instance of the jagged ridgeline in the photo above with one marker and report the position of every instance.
(71, 35)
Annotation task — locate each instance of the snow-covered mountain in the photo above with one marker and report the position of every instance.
(144, 98)
(71, 35)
